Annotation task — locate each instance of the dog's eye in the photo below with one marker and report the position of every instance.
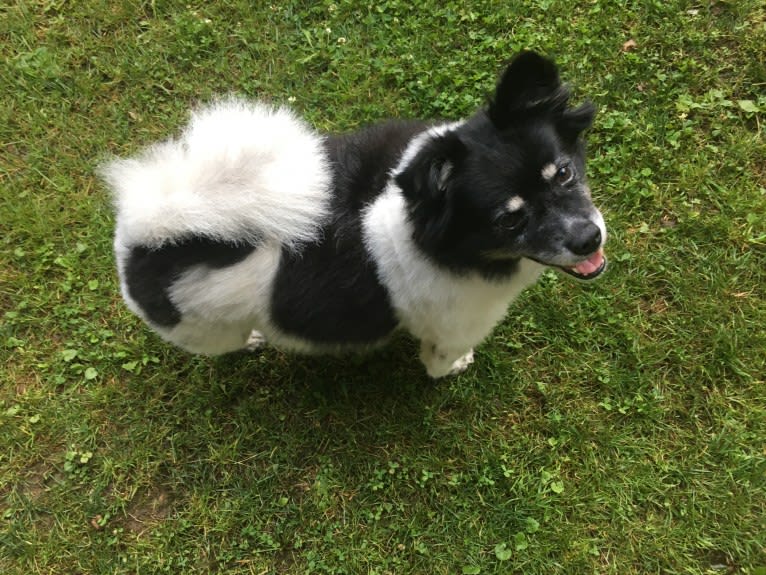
(511, 221)
(564, 175)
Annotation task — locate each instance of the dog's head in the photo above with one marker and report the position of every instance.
(509, 182)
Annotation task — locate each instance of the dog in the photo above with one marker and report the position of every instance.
(252, 227)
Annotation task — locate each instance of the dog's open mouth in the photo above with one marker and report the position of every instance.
(588, 269)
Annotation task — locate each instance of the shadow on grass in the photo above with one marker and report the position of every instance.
(302, 408)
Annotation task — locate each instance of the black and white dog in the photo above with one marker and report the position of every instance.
(250, 226)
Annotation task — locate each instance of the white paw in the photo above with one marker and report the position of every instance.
(461, 363)
(440, 363)
(255, 340)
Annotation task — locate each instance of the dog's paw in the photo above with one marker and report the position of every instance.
(461, 363)
(439, 363)
(255, 340)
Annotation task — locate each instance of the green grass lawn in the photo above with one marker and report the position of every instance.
(616, 427)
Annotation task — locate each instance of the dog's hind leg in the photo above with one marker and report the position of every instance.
(441, 361)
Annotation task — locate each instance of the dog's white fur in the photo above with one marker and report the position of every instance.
(241, 172)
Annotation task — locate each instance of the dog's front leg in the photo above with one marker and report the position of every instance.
(441, 360)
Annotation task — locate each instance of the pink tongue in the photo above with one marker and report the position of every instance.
(591, 264)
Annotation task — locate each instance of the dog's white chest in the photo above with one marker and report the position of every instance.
(431, 302)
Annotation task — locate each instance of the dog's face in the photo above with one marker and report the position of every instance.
(510, 182)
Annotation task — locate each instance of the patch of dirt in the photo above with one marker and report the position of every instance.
(655, 305)
(147, 509)
(36, 480)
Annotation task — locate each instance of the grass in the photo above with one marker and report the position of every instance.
(611, 428)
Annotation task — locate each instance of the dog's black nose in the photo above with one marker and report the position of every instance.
(585, 239)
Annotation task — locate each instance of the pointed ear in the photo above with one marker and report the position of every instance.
(527, 80)
(574, 121)
(427, 183)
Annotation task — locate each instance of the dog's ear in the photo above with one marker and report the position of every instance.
(428, 182)
(428, 176)
(574, 121)
(529, 80)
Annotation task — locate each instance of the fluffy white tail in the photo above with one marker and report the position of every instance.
(240, 171)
